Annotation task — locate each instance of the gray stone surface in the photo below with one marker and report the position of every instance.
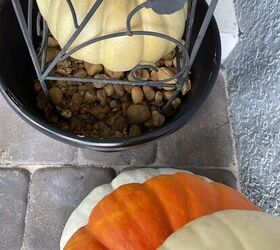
(206, 140)
(54, 194)
(21, 144)
(254, 91)
(219, 175)
(13, 201)
(143, 155)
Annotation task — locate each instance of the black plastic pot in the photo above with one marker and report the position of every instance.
(17, 76)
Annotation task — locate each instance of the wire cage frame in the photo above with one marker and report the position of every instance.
(44, 71)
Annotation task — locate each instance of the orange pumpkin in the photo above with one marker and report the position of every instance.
(142, 216)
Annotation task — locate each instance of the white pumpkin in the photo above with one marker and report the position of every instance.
(118, 54)
(80, 215)
(228, 230)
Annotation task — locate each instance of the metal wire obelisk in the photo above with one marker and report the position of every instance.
(44, 72)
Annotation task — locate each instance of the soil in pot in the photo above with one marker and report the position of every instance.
(107, 110)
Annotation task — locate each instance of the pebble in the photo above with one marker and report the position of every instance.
(176, 103)
(148, 123)
(66, 113)
(64, 67)
(154, 76)
(186, 88)
(157, 119)
(80, 73)
(109, 89)
(101, 96)
(102, 77)
(118, 89)
(37, 87)
(127, 88)
(160, 63)
(140, 74)
(159, 98)
(164, 74)
(138, 114)
(137, 95)
(135, 130)
(149, 93)
(113, 74)
(77, 99)
(168, 63)
(167, 94)
(51, 54)
(113, 104)
(93, 69)
(100, 111)
(56, 95)
(52, 43)
(75, 66)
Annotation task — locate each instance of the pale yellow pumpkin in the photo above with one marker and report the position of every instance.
(228, 230)
(118, 54)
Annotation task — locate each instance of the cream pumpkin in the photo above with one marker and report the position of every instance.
(118, 54)
(230, 230)
(80, 215)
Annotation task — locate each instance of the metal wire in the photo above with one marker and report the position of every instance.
(131, 15)
(189, 24)
(40, 33)
(138, 67)
(202, 32)
(73, 12)
(30, 18)
(24, 28)
(43, 74)
(197, 44)
(38, 24)
(134, 33)
(107, 81)
(190, 21)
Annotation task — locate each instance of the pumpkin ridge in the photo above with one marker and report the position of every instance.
(57, 27)
(183, 200)
(143, 43)
(104, 219)
(102, 54)
(219, 196)
(103, 32)
(146, 39)
(227, 227)
(225, 203)
(134, 218)
(186, 182)
(84, 238)
(186, 194)
(217, 193)
(161, 207)
(129, 215)
(165, 31)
